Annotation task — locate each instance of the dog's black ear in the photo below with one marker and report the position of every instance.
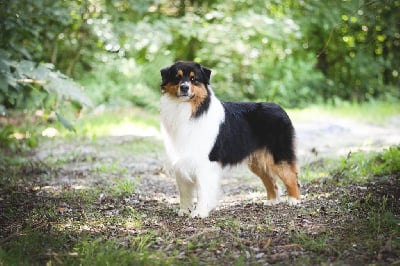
(164, 73)
(206, 73)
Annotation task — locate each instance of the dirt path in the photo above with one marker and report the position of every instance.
(317, 138)
(332, 137)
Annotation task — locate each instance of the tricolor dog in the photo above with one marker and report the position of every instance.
(202, 135)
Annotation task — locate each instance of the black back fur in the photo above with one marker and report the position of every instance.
(252, 126)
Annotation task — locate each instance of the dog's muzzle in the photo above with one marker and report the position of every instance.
(184, 90)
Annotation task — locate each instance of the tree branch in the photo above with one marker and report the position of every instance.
(32, 81)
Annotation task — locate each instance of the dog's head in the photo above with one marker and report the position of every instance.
(186, 81)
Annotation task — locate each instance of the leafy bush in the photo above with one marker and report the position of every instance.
(27, 86)
(263, 63)
(290, 52)
(123, 82)
(24, 84)
(33, 33)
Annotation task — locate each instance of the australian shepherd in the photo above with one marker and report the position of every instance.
(202, 135)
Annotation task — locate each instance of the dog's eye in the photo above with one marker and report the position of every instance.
(177, 78)
(192, 79)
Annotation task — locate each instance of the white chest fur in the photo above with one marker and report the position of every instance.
(187, 138)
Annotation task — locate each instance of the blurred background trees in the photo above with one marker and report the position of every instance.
(292, 52)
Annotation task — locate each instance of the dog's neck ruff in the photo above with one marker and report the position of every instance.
(187, 136)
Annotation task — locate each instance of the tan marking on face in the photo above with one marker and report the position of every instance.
(171, 89)
(192, 75)
(179, 73)
(200, 94)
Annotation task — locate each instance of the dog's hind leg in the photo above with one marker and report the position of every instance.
(260, 164)
(287, 172)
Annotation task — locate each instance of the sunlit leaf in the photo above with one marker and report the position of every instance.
(65, 123)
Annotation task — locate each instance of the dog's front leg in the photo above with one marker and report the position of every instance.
(208, 189)
(187, 189)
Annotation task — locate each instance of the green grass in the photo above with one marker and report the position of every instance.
(130, 251)
(140, 122)
(141, 145)
(355, 167)
(381, 226)
(92, 123)
(122, 187)
(117, 122)
(36, 248)
(32, 248)
(378, 113)
(361, 166)
(317, 243)
(374, 221)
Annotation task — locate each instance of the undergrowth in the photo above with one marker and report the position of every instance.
(356, 167)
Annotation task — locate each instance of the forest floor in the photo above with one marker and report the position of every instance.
(111, 201)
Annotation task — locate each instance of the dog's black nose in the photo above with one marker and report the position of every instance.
(184, 88)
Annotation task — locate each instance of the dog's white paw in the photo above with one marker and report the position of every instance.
(183, 212)
(271, 202)
(293, 201)
(199, 214)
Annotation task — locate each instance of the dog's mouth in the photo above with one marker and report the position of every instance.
(185, 95)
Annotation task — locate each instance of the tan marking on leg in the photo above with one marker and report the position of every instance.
(260, 164)
(287, 172)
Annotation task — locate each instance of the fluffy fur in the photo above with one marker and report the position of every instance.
(202, 135)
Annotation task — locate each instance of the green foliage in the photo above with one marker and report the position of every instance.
(364, 166)
(123, 82)
(25, 85)
(356, 167)
(290, 52)
(5, 133)
(49, 31)
(14, 141)
(262, 63)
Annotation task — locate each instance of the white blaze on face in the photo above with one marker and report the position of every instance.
(183, 92)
